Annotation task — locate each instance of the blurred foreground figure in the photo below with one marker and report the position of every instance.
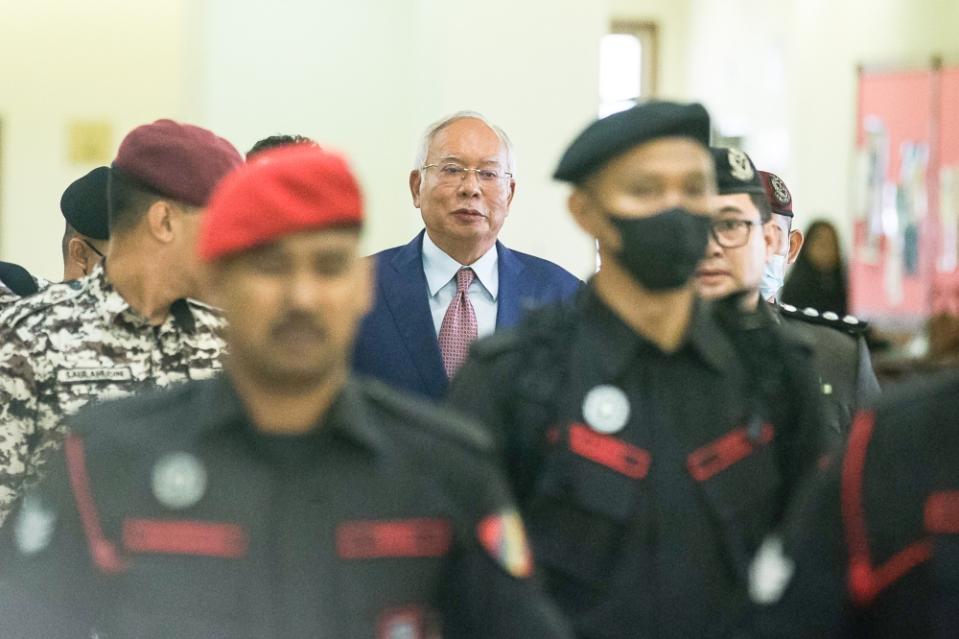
(652, 439)
(872, 548)
(131, 324)
(283, 499)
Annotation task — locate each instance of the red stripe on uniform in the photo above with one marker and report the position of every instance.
(399, 538)
(942, 513)
(102, 551)
(198, 538)
(715, 457)
(611, 452)
(865, 582)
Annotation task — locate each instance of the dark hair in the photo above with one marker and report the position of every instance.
(128, 201)
(278, 140)
(808, 286)
(761, 202)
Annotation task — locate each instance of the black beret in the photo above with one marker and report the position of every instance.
(735, 172)
(608, 137)
(84, 204)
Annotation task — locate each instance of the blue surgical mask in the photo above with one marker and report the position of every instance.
(773, 277)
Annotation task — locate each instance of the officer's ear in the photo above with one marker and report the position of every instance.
(159, 221)
(77, 256)
(366, 285)
(796, 240)
(592, 219)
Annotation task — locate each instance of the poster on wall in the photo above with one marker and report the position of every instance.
(893, 261)
(945, 296)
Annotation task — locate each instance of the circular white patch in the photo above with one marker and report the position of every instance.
(33, 529)
(179, 480)
(780, 191)
(770, 572)
(606, 409)
(739, 166)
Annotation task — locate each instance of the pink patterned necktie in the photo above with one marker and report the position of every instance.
(458, 329)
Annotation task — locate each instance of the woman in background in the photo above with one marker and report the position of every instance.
(818, 278)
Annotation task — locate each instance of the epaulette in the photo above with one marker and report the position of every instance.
(47, 297)
(444, 423)
(848, 323)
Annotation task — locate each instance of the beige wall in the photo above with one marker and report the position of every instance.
(369, 75)
(783, 74)
(119, 61)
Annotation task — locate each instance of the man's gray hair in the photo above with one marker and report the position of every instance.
(424, 148)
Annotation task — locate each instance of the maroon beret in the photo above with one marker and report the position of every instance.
(179, 161)
(780, 199)
(281, 191)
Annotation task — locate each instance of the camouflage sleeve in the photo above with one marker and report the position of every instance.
(20, 411)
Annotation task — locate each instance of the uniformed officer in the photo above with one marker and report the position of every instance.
(872, 547)
(648, 449)
(737, 260)
(86, 236)
(283, 499)
(127, 326)
(84, 207)
(846, 374)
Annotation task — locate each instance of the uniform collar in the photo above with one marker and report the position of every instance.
(347, 417)
(440, 268)
(619, 344)
(114, 307)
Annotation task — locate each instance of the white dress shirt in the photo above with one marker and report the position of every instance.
(441, 269)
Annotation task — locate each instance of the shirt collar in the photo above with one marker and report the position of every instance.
(620, 344)
(440, 268)
(347, 416)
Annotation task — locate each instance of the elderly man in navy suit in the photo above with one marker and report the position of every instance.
(454, 282)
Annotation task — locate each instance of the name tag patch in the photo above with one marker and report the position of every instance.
(608, 451)
(94, 374)
(399, 538)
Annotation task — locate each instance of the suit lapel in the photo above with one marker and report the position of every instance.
(511, 287)
(404, 288)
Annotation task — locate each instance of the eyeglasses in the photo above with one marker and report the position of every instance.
(732, 233)
(92, 247)
(450, 173)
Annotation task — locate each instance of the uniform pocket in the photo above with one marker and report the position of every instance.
(582, 506)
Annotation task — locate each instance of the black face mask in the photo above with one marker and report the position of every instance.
(661, 251)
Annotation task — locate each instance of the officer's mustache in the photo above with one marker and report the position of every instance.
(299, 323)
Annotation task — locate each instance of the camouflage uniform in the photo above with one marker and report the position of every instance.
(8, 297)
(77, 342)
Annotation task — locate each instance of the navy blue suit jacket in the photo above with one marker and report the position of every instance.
(397, 340)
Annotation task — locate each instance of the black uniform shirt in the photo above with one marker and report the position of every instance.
(642, 532)
(170, 516)
(872, 545)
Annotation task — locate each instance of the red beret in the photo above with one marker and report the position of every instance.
(180, 161)
(282, 191)
(780, 199)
